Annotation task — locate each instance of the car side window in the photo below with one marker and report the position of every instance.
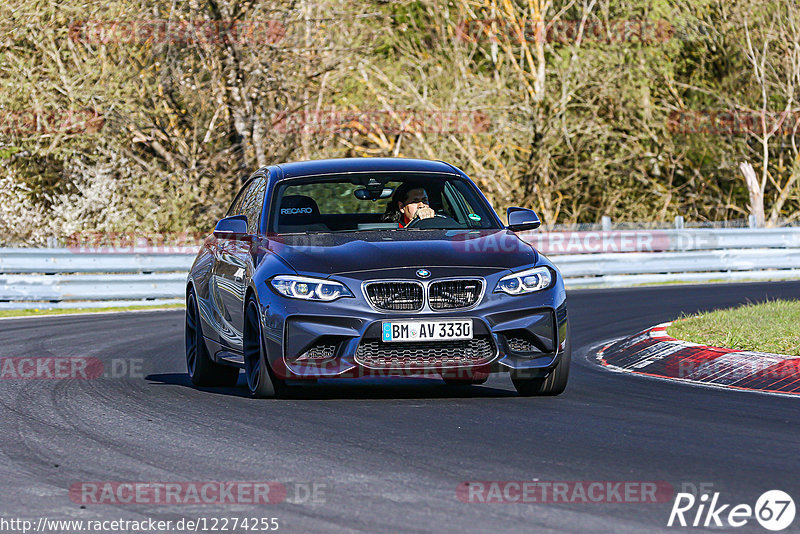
(236, 205)
(462, 211)
(253, 203)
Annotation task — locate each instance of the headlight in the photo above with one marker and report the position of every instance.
(301, 287)
(523, 282)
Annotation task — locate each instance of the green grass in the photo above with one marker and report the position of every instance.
(34, 312)
(772, 326)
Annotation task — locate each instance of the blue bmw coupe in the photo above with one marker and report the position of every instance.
(372, 267)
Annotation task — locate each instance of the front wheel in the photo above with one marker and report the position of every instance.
(553, 384)
(260, 380)
(203, 371)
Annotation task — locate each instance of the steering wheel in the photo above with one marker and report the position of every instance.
(438, 221)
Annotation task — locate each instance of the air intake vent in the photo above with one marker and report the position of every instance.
(395, 296)
(426, 355)
(454, 294)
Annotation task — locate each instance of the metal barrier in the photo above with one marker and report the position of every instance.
(65, 260)
(78, 278)
(68, 278)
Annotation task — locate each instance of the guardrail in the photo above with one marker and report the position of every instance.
(81, 278)
(67, 260)
(91, 277)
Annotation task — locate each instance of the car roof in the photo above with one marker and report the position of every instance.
(347, 165)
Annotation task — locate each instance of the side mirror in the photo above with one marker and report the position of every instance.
(520, 219)
(233, 227)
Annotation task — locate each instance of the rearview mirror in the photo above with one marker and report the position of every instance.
(520, 219)
(233, 227)
(373, 194)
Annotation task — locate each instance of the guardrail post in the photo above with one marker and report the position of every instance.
(679, 222)
(606, 223)
(751, 221)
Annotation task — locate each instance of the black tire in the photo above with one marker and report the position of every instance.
(261, 381)
(203, 371)
(553, 384)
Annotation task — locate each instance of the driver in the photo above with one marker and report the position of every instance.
(409, 202)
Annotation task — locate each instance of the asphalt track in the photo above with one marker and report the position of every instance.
(389, 454)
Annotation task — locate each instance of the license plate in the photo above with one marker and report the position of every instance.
(427, 330)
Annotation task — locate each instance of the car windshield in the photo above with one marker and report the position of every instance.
(370, 202)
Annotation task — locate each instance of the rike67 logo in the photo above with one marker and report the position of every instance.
(774, 510)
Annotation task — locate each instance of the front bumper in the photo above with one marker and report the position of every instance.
(309, 340)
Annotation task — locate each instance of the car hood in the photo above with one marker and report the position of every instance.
(351, 252)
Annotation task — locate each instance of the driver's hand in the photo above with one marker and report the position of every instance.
(425, 212)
